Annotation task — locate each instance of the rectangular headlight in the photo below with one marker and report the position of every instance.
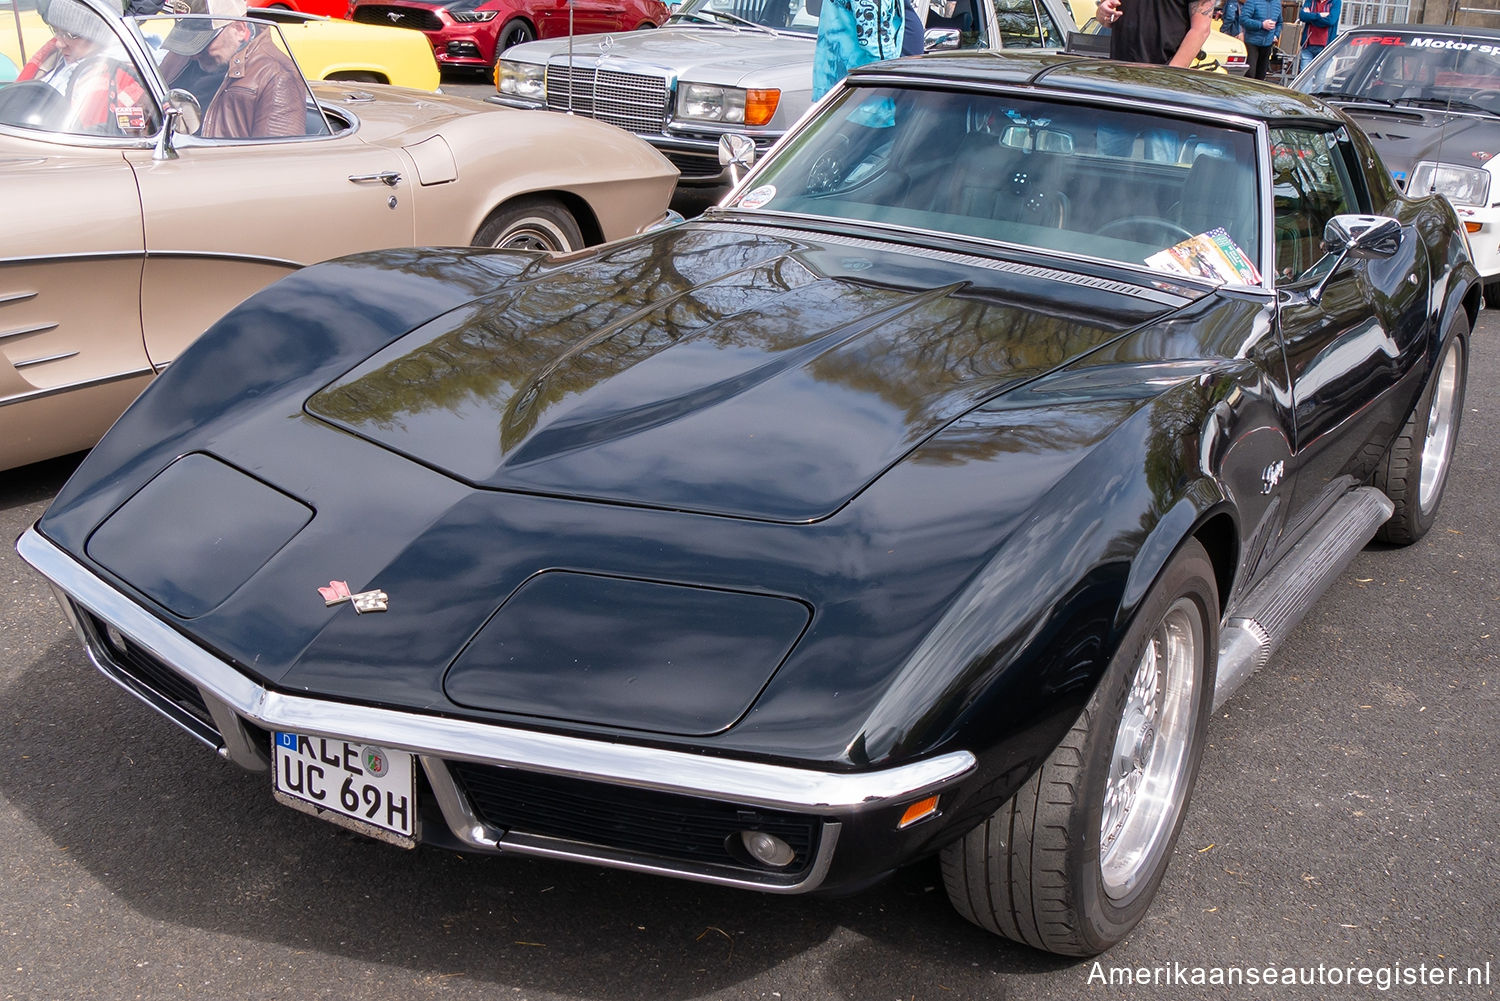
(526, 81)
(472, 16)
(1462, 185)
(701, 102)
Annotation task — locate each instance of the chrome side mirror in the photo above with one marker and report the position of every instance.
(1366, 237)
(181, 114)
(1362, 237)
(737, 152)
(936, 39)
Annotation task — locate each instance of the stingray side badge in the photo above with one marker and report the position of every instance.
(338, 591)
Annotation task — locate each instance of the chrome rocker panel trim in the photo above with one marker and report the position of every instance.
(231, 696)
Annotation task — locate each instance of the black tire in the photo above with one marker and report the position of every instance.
(531, 224)
(514, 32)
(1492, 295)
(1040, 870)
(1414, 472)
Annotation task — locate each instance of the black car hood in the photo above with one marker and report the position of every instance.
(1405, 136)
(721, 370)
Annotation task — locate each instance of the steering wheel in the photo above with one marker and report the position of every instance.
(1132, 225)
(32, 104)
(828, 169)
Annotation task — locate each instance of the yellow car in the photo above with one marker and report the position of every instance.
(325, 49)
(1221, 53)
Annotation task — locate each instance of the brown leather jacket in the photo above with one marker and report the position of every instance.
(262, 96)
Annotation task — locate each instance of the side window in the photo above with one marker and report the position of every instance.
(77, 78)
(964, 15)
(1310, 184)
(1024, 24)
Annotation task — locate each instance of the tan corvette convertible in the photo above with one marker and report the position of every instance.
(136, 211)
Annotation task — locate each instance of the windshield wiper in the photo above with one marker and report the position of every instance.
(1340, 95)
(706, 15)
(1445, 103)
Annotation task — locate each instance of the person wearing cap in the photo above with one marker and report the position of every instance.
(103, 93)
(261, 95)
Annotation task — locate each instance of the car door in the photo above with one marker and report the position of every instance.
(1352, 332)
(225, 219)
(71, 353)
(583, 17)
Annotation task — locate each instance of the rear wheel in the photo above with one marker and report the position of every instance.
(514, 32)
(531, 224)
(1414, 472)
(1071, 863)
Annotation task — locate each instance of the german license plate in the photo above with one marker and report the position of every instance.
(359, 786)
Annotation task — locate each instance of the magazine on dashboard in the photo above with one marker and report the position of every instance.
(1212, 255)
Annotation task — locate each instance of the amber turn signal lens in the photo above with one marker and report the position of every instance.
(1472, 227)
(920, 810)
(760, 105)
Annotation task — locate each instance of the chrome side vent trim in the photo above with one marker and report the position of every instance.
(27, 362)
(38, 328)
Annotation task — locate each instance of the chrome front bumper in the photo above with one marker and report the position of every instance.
(234, 700)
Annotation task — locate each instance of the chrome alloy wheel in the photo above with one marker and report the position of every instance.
(1145, 789)
(1437, 446)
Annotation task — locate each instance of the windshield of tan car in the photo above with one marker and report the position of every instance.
(1138, 188)
(193, 54)
(1412, 70)
(69, 74)
(777, 15)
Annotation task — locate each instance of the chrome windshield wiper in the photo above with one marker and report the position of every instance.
(708, 16)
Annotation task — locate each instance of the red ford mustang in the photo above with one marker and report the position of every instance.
(472, 33)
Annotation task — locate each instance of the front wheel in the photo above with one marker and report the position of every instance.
(1414, 471)
(1071, 863)
(531, 224)
(514, 32)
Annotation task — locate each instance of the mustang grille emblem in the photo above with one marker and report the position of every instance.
(394, 15)
(338, 591)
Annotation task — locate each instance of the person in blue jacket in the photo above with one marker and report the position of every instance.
(852, 33)
(1320, 22)
(1230, 18)
(1261, 20)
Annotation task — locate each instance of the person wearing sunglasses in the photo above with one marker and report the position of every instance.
(104, 95)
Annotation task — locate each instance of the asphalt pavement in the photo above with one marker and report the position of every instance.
(1345, 827)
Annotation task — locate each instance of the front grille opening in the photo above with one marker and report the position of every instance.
(133, 662)
(420, 18)
(636, 102)
(661, 826)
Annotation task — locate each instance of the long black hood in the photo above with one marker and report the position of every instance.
(719, 370)
(1405, 136)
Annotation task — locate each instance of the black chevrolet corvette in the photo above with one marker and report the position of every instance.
(922, 498)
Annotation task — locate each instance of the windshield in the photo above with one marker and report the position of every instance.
(774, 15)
(1140, 189)
(1416, 70)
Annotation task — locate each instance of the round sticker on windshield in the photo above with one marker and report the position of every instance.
(755, 199)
